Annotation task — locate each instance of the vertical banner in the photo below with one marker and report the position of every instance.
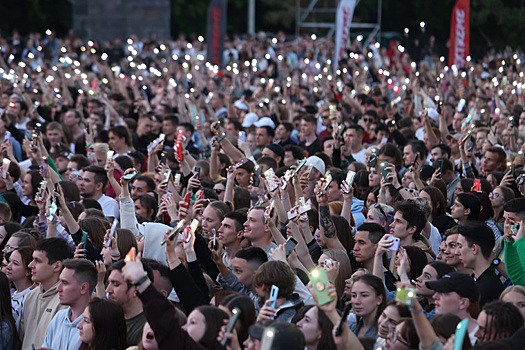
(459, 34)
(343, 20)
(216, 31)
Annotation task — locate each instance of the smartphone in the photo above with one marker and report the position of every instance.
(177, 179)
(256, 179)
(52, 210)
(461, 332)
(513, 228)
(217, 126)
(346, 311)
(5, 167)
(267, 338)
(130, 176)
(242, 136)
(440, 166)
(477, 185)
(84, 239)
(274, 292)
(300, 166)
(112, 232)
(395, 244)
(176, 230)
(319, 280)
(232, 321)
(406, 296)
(326, 181)
(347, 184)
(166, 176)
(197, 171)
(372, 161)
(215, 246)
(270, 177)
(109, 156)
(385, 171)
(238, 164)
(290, 245)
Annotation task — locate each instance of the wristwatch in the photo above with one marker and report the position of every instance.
(140, 281)
(496, 261)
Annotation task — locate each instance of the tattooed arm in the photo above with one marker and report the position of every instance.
(326, 225)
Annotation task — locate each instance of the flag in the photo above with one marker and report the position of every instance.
(216, 31)
(459, 34)
(343, 19)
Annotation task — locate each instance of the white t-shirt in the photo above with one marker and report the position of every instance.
(109, 206)
(360, 156)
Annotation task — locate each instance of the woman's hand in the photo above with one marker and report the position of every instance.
(101, 271)
(278, 253)
(80, 253)
(332, 270)
(193, 182)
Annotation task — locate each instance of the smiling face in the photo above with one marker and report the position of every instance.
(388, 319)
(450, 250)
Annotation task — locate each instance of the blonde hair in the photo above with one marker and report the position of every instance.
(510, 289)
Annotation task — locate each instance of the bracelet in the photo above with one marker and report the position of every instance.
(399, 188)
(172, 262)
(415, 312)
(88, 146)
(140, 281)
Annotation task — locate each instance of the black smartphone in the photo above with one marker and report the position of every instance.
(198, 172)
(232, 321)
(256, 181)
(346, 311)
(440, 166)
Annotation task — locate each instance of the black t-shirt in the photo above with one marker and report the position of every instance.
(313, 148)
(490, 286)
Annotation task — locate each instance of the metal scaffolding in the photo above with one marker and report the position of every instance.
(320, 14)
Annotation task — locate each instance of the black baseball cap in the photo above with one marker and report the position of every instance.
(287, 336)
(277, 149)
(460, 283)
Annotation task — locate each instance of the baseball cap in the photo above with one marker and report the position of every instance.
(249, 120)
(241, 105)
(275, 148)
(460, 283)
(286, 335)
(265, 121)
(317, 163)
(456, 137)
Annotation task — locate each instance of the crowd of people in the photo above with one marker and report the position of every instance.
(150, 200)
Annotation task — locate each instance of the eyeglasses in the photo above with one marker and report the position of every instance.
(378, 206)
(219, 190)
(495, 195)
(368, 120)
(8, 248)
(394, 336)
(325, 116)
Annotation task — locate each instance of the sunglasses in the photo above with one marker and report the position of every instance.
(325, 116)
(378, 206)
(368, 120)
(219, 190)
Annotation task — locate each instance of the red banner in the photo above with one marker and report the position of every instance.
(459, 34)
(216, 31)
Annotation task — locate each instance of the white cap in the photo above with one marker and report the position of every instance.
(241, 105)
(249, 120)
(317, 163)
(265, 121)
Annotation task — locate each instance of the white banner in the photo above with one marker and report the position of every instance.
(343, 19)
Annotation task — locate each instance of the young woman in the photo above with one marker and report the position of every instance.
(381, 214)
(6, 230)
(8, 332)
(103, 326)
(19, 275)
(146, 207)
(516, 296)
(431, 272)
(466, 208)
(463, 186)
(389, 319)
(212, 217)
(122, 242)
(368, 298)
(316, 327)
(439, 217)
(498, 197)
(403, 336)
(344, 271)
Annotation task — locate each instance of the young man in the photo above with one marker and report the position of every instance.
(77, 281)
(125, 295)
(263, 137)
(309, 141)
(142, 185)
(256, 230)
(279, 274)
(475, 244)
(409, 221)
(230, 235)
(493, 160)
(43, 303)
(451, 243)
(457, 294)
(92, 184)
(353, 137)
(449, 176)
(366, 239)
(498, 320)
